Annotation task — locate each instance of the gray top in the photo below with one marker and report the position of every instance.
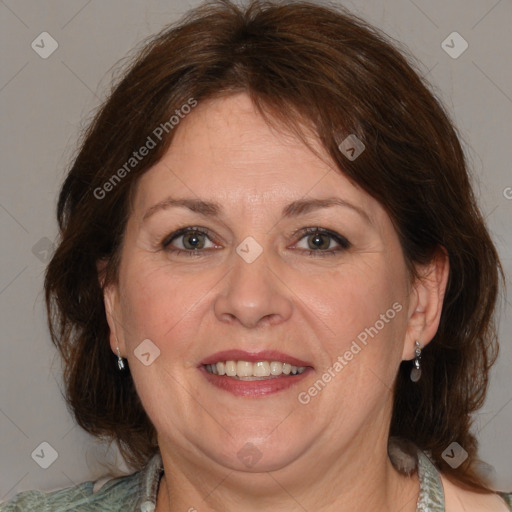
(138, 493)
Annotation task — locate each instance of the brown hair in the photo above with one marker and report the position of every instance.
(302, 64)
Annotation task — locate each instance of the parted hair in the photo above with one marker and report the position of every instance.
(305, 66)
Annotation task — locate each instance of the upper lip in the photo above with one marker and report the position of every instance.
(253, 357)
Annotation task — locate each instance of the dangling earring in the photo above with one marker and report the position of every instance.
(120, 362)
(416, 370)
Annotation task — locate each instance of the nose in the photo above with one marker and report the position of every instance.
(253, 295)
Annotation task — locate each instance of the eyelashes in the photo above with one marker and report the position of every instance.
(197, 241)
(193, 240)
(316, 238)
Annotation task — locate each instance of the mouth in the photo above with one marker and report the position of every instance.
(254, 374)
(260, 370)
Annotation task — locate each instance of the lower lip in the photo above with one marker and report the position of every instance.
(254, 388)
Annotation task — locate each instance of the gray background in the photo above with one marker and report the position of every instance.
(45, 102)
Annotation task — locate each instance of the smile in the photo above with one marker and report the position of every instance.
(254, 374)
(246, 370)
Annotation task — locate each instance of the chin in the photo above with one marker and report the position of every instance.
(256, 454)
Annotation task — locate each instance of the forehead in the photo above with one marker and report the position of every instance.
(224, 151)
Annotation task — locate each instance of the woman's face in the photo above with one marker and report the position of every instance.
(243, 245)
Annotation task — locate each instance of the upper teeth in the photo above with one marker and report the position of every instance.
(248, 369)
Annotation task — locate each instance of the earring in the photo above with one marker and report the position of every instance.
(120, 362)
(416, 370)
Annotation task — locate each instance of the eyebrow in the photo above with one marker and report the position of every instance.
(304, 206)
(205, 208)
(294, 209)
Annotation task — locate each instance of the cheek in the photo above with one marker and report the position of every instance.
(156, 302)
(353, 298)
(360, 312)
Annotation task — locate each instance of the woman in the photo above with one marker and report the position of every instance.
(270, 225)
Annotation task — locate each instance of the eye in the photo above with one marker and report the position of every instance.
(190, 240)
(322, 242)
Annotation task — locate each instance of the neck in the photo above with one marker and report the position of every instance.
(347, 481)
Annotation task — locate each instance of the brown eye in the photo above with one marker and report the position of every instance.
(188, 240)
(320, 242)
(193, 240)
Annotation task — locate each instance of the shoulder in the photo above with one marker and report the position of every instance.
(115, 495)
(459, 499)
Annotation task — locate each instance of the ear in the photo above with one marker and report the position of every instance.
(426, 302)
(111, 302)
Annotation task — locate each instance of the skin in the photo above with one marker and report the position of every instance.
(320, 456)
